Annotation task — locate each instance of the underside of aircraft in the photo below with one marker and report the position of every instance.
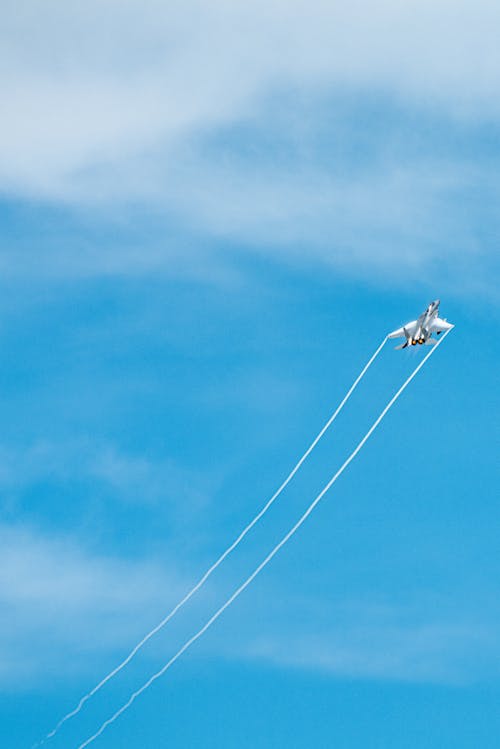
(420, 331)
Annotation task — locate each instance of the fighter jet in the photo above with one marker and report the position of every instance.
(421, 330)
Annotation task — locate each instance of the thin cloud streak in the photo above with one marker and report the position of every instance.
(443, 652)
(131, 478)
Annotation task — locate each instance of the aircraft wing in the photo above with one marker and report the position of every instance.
(400, 332)
(438, 325)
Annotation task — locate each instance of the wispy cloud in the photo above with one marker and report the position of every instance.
(83, 97)
(172, 108)
(129, 477)
(405, 641)
(59, 598)
(80, 94)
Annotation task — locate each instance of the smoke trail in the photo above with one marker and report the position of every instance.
(266, 561)
(226, 553)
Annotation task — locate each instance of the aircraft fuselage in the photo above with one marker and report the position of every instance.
(423, 330)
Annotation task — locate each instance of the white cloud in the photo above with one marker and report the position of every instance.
(428, 653)
(63, 605)
(405, 641)
(132, 478)
(113, 104)
(88, 85)
(66, 609)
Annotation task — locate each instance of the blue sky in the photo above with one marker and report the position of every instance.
(210, 219)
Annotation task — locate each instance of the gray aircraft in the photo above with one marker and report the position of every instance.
(421, 330)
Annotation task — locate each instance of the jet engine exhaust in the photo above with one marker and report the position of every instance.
(267, 559)
(221, 558)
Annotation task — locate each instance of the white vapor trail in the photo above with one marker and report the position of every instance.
(268, 558)
(223, 556)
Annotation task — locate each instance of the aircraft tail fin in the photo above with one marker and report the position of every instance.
(403, 345)
(430, 342)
